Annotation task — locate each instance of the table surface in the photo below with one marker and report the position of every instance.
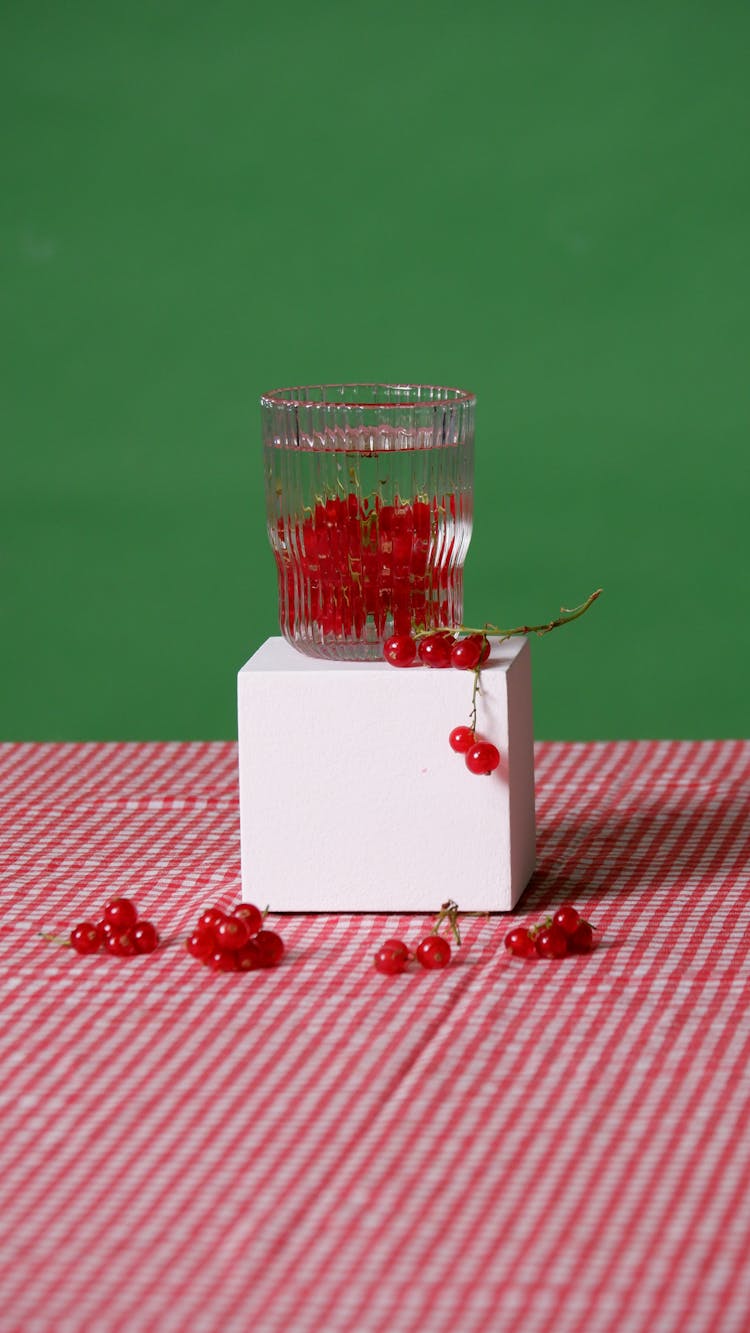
(504, 1144)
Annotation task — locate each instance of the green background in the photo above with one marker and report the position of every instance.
(546, 203)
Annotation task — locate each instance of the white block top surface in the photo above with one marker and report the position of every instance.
(277, 654)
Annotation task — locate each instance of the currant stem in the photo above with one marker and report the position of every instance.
(449, 912)
(540, 926)
(476, 690)
(494, 632)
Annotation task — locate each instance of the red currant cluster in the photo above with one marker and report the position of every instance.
(564, 933)
(442, 649)
(361, 560)
(120, 932)
(235, 941)
(467, 649)
(433, 952)
(480, 757)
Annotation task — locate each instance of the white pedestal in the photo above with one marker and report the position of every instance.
(351, 799)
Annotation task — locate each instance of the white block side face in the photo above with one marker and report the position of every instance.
(351, 798)
(521, 764)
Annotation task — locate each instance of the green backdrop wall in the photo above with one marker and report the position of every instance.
(545, 203)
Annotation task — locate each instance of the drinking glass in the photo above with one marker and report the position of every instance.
(369, 491)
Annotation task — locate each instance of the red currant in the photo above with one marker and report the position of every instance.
(201, 943)
(433, 952)
(461, 739)
(396, 946)
(520, 942)
(146, 937)
(271, 947)
(482, 758)
(223, 960)
(121, 912)
(210, 918)
(249, 957)
(391, 961)
(486, 650)
(582, 939)
(435, 650)
(86, 937)
(400, 650)
(251, 915)
(551, 942)
(466, 654)
(120, 943)
(567, 918)
(231, 933)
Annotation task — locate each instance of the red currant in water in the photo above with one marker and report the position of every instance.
(482, 758)
(520, 942)
(86, 937)
(582, 939)
(461, 739)
(251, 915)
(466, 653)
(231, 933)
(551, 942)
(433, 952)
(270, 946)
(435, 650)
(567, 918)
(121, 912)
(146, 937)
(400, 650)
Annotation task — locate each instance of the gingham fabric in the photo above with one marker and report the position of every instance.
(546, 1146)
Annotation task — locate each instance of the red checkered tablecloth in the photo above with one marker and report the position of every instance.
(546, 1146)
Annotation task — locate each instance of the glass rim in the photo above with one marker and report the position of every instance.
(290, 397)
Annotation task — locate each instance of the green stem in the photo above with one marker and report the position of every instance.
(476, 690)
(448, 911)
(494, 632)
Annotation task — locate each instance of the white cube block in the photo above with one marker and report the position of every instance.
(351, 799)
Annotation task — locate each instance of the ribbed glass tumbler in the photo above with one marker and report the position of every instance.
(369, 493)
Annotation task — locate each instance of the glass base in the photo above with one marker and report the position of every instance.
(339, 650)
